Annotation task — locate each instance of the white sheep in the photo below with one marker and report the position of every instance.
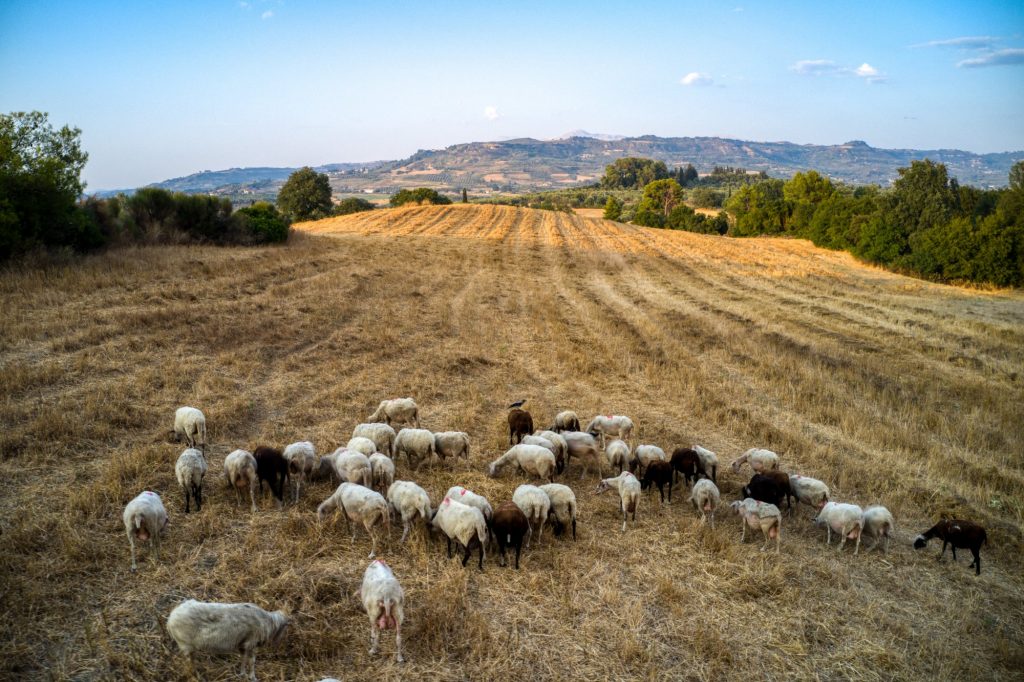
(563, 506)
(225, 629)
(190, 470)
(382, 435)
(353, 467)
(616, 425)
(190, 424)
(643, 455)
(467, 496)
(240, 473)
(759, 459)
(383, 602)
(810, 491)
(705, 498)
(145, 519)
(566, 421)
(561, 448)
(359, 504)
(462, 523)
(408, 500)
(382, 471)
(302, 463)
(845, 519)
(877, 522)
(418, 443)
(583, 445)
(451, 444)
(533, 459)
(546, 443)
(398, 410)
(535, 505)
(709, 460)
(618, 454)
(362, 444)
(760, 515)
(628, 488)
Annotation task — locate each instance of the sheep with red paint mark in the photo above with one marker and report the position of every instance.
(384, 603)
(760, 516)
(628, 487)
(463, 524)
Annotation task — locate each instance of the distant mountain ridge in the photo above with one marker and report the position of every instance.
(527, 165)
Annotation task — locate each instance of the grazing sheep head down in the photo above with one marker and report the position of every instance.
(920, 541)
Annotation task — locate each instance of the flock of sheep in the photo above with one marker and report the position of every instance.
(369, 496)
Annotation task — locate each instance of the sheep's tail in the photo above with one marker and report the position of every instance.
(138, 520)
(481, 532)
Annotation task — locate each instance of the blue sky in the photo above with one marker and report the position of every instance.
(163, 89)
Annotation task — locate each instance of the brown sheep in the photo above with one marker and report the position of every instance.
(509, 526)
(520, 424)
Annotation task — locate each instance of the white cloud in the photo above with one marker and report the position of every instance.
(827, 67)
(1005, 57)
(966, 42)
(267, 14)
(816, 67)
(491, 113)
(865, 70)
(696, 78)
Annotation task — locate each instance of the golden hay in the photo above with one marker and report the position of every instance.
(892, 390)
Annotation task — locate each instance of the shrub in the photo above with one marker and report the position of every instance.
(353, 205)
(420, 195)
(305, 195)
(262, 222)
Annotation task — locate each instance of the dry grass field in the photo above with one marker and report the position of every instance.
(892, 390)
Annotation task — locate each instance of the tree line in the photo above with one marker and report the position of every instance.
(927, 224)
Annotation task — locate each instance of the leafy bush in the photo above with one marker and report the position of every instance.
(612, 209)
(353, 205)
(420, 195)
(263, 222)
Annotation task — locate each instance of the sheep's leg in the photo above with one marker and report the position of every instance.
(767, 537)
(405, 529)
(885, 549)
(481, 556)
(670, 491)
(131, 541)
(574, 529)
(954, 553)
(519, 548)
(712, 520)
(199, 498)
(501, 553)
(465, 557)
(185, 490)
(252, 495)
(541, 533)
(842, 543)
(743, 533)
(778, 538)
(943, 552)
(449, 548)
(398, 640)
(374, 637)
(976, 551)
(856, 548)
(828, 537)
(373, 539)
(529, 533)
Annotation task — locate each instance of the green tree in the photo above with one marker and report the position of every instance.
(352, 205)
(465, 196)
(803, 193)
(759, 208)
(305, 195)
(420, 195)
(40, 183)
(633, 173)
(612, 209)
(659, 200)
(704, 197)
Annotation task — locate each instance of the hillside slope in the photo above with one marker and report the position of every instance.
(892, 390)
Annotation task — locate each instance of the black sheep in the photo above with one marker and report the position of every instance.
(959, 533)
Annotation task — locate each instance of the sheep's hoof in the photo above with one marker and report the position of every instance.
(373, 652)
(400, 659)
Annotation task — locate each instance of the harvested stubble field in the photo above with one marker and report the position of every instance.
(892, 390)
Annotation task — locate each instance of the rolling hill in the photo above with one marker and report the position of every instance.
(892, 390)
(525, 165)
